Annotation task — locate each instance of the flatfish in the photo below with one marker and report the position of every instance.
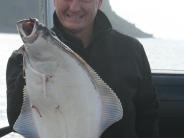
(63, 96)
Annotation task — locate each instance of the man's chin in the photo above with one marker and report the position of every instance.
(73, 29)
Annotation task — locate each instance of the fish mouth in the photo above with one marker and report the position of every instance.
(27, 29)
(28, 26)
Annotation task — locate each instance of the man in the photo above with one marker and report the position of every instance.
(119, 59)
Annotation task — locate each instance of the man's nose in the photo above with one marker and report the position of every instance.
(75, 5)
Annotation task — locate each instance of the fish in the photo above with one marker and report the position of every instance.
(63, 96)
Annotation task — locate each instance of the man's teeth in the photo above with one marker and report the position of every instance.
(74, 16)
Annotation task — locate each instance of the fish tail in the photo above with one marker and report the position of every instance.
(5, 130)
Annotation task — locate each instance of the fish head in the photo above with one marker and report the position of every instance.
(41, 48)
(31, 29)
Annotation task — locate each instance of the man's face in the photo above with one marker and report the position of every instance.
(77, 15)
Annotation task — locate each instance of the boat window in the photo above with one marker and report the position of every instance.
(159, 26)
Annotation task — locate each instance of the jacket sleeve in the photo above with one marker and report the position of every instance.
(146, 102)
(15, 83)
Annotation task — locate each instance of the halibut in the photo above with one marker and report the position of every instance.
(63, 96)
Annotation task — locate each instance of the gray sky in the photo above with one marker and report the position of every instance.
(163, 18)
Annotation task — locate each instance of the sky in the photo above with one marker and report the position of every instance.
(162, 18)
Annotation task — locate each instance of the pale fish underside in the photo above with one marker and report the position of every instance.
(63, 96)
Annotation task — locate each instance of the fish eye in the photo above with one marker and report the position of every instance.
(53, 33)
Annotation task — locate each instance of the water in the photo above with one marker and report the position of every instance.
(163, 56)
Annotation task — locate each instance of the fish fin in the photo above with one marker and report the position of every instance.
(111, 105)
(24, 125)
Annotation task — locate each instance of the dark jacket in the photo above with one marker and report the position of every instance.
(121, 62)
